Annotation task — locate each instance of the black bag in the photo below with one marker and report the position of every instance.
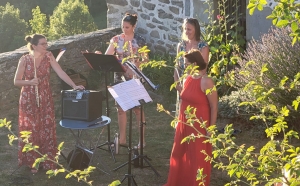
(80, 160)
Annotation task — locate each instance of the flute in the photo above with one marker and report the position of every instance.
(36, 86)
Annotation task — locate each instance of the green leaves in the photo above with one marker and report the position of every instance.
(115, 183)
(253, 4)
(38, 23)
(282, 23)
(285, 13)
(28, 146)
(70, 18)
(12, 28)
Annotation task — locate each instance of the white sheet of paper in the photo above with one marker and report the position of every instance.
(127, 94)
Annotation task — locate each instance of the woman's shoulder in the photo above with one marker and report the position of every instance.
(25, 56)
(116, 38)
(202, 44)
(207, 82)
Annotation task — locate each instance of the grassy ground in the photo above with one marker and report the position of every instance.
(159, 138)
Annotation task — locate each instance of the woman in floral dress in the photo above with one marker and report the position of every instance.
(36, 107)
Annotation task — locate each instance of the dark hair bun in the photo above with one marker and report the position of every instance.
(131, 18)
(134, 16)
(28, 39)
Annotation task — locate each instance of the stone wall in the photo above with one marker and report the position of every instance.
(72, 59)
(159, 21)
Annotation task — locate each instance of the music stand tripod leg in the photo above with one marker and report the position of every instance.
(129, 175)
(141, 156)
(108, 142)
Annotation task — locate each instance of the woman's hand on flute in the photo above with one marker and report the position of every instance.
(34, 81)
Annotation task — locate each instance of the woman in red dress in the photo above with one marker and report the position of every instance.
(186, 159)
(36, 107)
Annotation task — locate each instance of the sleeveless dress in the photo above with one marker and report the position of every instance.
(186, 158)
(38, 120)
(180, 67)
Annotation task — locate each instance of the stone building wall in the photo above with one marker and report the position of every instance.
(72, 59)
(159, 21)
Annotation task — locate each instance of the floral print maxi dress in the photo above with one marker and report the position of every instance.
(122, 50)
(40, 121)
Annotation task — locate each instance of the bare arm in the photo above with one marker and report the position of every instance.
(110, 49)
(207, 84)
(205, 54)
(56, 67)
(176, 73)
(18, 80)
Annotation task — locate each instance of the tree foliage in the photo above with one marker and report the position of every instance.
(285, 13)
(69, 18)
(38, 23)
(12, 28)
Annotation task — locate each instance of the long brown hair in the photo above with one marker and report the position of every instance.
(196, 25)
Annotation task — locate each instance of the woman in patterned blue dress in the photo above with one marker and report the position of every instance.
(191, 39)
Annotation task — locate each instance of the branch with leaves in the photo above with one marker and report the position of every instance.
(285, 13)
(25, 138)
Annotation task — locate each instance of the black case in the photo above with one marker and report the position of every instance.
(88, 107)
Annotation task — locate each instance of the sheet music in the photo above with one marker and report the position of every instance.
(140, 74)
(61, 52)
(127, 94)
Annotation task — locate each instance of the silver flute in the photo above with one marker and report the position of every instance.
(36, 86)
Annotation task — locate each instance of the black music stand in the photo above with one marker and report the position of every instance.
(127, 94)
(129, 175)
(141, 155)
(105, 64)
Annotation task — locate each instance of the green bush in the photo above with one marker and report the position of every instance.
(70, 18)
(269, 66)
(12, 28)
(229, 106)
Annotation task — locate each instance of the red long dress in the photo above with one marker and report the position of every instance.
(38, 120)
(186, 158)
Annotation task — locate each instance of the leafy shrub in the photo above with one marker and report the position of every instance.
(229, 106)
(12, 28)
(38, 23)
(69, 18)
(270, 65)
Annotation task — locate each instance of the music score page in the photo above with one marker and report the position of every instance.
(127, 94)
